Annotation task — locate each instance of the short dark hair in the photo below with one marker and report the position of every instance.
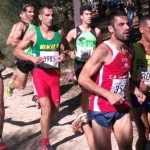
(84, 8)
(45, 6)
(143, 20)
(114, 14)
(25, 6)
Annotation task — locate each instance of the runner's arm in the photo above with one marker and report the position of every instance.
(70, 37)
(11, 34)
(100, 56)
(99, 36)
(64, 45)
(28, 39)
(19, 29)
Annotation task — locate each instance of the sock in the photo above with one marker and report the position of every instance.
(44, 141)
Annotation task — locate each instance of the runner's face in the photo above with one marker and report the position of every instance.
(47, 17)
(87, 17)
(30, 13)
(146, 31)
(22, 16)
(121, 28)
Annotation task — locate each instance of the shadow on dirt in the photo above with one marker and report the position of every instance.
(69, 106)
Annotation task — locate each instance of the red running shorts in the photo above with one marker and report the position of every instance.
(47, 83)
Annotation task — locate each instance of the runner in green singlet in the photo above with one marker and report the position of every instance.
(87, 37)
(48, 52)
(22, 69)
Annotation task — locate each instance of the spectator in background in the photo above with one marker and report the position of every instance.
(92, 4)
(130, 11)
(122, 4)
(102, 8)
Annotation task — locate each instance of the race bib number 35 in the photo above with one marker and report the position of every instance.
(50, 59)
(120, 86)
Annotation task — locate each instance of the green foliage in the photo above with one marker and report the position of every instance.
(9, 11)
(9, 14)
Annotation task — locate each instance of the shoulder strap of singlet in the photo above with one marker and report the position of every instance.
(112, 49)
(26, 25)
(93, 31)
(78, 32)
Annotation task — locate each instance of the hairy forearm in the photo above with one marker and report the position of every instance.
(93, 87)
(15, 42)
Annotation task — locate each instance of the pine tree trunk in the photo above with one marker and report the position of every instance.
(77, 6)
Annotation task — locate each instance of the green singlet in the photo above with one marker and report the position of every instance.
(85, 44)
(48, 49)
(28, 50)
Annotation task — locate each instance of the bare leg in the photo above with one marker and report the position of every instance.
(85, 100)
(86, 128)
(141, 120)
(45, 116)
(2, 112)
(49, 110)
(102, 136)
(20, 80)
(123, 132)
(14, 74)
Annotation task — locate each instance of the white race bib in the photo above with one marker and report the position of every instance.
(144, 73)
(50, 59)
(84, 52)
(120, 86)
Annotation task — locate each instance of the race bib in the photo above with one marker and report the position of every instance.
(120, 86)
(50, 59)
(84, 52)
(144, 73)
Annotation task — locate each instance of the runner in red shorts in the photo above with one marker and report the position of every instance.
(47, 42)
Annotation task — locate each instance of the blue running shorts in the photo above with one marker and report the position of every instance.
(106, 119)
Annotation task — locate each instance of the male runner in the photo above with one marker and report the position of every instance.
(47, 42)
(141, 77)
(106, 76)
(22, 67)
(87, 37)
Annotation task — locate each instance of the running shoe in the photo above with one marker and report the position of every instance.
(77, 124)
(9, 90)
(3, 146)
(47, 147)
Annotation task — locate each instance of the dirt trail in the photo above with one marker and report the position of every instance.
(22, 129)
